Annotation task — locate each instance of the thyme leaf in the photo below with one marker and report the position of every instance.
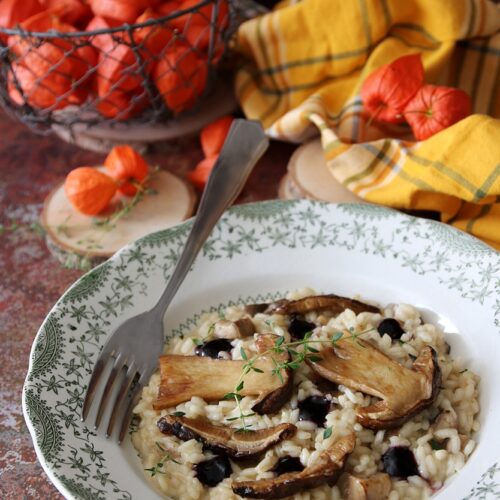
(296, 359)
(166, 457)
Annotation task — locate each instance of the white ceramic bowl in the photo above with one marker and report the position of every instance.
(257, 252)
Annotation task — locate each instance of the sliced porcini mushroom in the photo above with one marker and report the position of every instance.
(326, 469)
(332, 302)
(182, 377)
(272, 400)
(225, 329)
(224, 439)
(359, 365)
(254, 309)
(375, 487)
(246, 327)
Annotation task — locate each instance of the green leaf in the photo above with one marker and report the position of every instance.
(314, 359)
(327, 432)
(293, 365)
(307, 336)
(154, 470)
(269, 323)
(243, 353)
(280, 376)
(178, 414)
(312, 349)
(197, 341)
(239, 386)
(435, 445)
(337, 337)
(229, 395)
(160, 447)
(232, 419)
(279, 341)
(244, 429)
(258, 370)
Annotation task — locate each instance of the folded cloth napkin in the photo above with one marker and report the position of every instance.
(306, 64)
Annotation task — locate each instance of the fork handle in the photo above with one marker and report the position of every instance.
(245, 144)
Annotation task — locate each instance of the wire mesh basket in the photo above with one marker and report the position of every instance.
(160, 66)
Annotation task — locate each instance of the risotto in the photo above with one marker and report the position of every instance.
(437, 439)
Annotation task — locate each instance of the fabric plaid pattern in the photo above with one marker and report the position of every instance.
(306, 64)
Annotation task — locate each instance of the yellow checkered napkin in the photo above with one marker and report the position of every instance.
(306, 64)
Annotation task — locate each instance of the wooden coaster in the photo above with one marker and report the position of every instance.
(309, 177)
(72, 236)
(283, 191)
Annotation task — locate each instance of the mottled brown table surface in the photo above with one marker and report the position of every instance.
(31, 280)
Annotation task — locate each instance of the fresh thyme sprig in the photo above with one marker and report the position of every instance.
(34, 227)
(166, 457)
(210, 333)
(236, 395)
(296, 359)
(142, 188)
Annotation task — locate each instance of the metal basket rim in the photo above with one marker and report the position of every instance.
(105, 31)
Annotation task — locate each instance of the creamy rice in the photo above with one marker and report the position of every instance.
(459, 395)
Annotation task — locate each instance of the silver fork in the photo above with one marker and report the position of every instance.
(135, 346)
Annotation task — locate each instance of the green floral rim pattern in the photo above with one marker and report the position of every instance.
(71, 336)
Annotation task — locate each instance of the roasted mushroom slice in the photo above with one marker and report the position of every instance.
(331, 302)
(254, 309)
(359, 365)
(224, 439)
(225, 329)
(375, 487)
(183, 377)
(326, 469)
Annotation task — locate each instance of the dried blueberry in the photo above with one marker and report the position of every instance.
(399, 461)
(212, 348)
(299, 327)
(391, 327)
(287, 464)
(211, 472)
(315, 409)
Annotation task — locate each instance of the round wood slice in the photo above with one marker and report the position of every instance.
(287, 191)
(72, 236)
(283, 193)
(309, 177)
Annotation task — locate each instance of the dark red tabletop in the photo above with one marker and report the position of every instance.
(31, 280)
